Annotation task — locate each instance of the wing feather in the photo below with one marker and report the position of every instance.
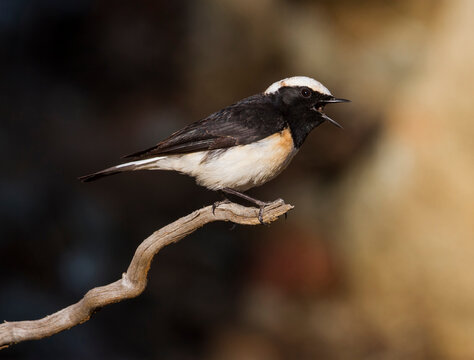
(249, 120)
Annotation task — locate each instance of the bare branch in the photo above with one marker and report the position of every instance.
(133, 282)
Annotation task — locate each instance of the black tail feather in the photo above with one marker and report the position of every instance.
(98, 175)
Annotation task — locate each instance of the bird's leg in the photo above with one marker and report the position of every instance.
(259, 203)
(223, 201)
(217, 203)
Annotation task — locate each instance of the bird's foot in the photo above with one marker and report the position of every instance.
(217, 203)
(259, 203)
(262, 205)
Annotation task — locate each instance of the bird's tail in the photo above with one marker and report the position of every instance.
(100, 174)
(130, 166)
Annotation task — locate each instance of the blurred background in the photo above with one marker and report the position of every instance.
(376, 261)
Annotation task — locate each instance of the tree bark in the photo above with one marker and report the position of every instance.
(133, 282)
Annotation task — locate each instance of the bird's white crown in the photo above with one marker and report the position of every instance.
(298, 81)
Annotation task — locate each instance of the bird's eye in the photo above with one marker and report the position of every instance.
(305, 92)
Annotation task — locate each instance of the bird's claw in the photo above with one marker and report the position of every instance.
(260, 214)
(217, 203)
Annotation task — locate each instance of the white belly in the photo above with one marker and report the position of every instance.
(240, 167)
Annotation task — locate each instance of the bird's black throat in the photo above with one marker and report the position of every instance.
(301, 123)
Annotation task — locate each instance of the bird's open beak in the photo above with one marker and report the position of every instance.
(334, 100)
(334, 122)
(320, 108)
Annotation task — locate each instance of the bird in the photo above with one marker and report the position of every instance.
(243, 145)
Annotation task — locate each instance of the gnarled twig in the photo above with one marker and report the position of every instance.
(133, 282)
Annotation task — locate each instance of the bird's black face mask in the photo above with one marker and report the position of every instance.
(300, 100)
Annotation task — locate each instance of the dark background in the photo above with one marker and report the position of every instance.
(85, 82)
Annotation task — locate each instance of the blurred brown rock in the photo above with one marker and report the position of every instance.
(409, 208)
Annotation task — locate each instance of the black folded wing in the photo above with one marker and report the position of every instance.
(247, 121)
